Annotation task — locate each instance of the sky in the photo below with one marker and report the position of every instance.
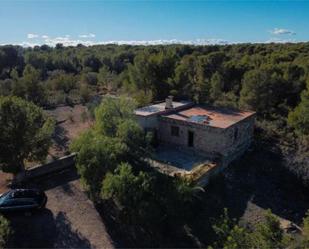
(29, 22)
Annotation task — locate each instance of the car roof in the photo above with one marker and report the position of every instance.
(26, 190)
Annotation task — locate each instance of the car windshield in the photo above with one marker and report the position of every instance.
(25, 193)
(5, 197)
(19, 194)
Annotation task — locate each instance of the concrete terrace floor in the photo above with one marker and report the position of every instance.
(179, 158)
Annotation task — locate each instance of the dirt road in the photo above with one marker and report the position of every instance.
(70, 219)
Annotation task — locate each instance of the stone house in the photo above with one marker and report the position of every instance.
(218, 133)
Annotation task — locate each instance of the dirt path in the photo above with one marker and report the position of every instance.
(69, 203)
(5, 178)
(70, 219)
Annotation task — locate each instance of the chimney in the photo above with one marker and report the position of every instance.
(169, 103)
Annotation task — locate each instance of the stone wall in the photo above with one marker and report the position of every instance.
(211, 140)
(51, 167)
(148, 122)
(207, 139)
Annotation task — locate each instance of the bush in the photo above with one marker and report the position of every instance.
(90, 78)
(5, 231)
(112, 112)
(267, 234)
(128, 191)
(305, 242)
(136, 193)
(299, 118)
(84, 93)
(229, 234)
(96, 156)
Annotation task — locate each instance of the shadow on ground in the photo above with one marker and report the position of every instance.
(42, 230)
(257, 182)
(60, 138)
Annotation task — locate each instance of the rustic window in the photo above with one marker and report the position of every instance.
(175, 131)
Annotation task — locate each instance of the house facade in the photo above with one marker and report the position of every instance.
(215, 132)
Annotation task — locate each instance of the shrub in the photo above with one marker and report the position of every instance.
(96, 156)
(128, 191)
(5, 231)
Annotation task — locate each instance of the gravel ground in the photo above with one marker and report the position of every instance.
(70, 219)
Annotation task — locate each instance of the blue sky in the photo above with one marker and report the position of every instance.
(70, 22)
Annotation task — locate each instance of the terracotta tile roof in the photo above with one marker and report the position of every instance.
(210, 116)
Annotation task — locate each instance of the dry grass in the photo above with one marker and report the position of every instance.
(71, 122)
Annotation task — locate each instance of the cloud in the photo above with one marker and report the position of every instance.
(28, 44)
(277, 31)
(167, 42)
(277, 40)
(68, 41)
(90, 35)
(32, 36)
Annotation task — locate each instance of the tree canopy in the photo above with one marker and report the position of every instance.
(299, 117)
(266, 234)
(115, 138)
(25, 133)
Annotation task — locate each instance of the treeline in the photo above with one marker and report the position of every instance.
(268, 78)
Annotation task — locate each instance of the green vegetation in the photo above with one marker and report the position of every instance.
(299, 118)
(266, 234)
(114, 138)
(305, 238)
(96, 155)
(25, 133)
(139, 197)
(5, 231)
(229, 234)
(129, 192)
